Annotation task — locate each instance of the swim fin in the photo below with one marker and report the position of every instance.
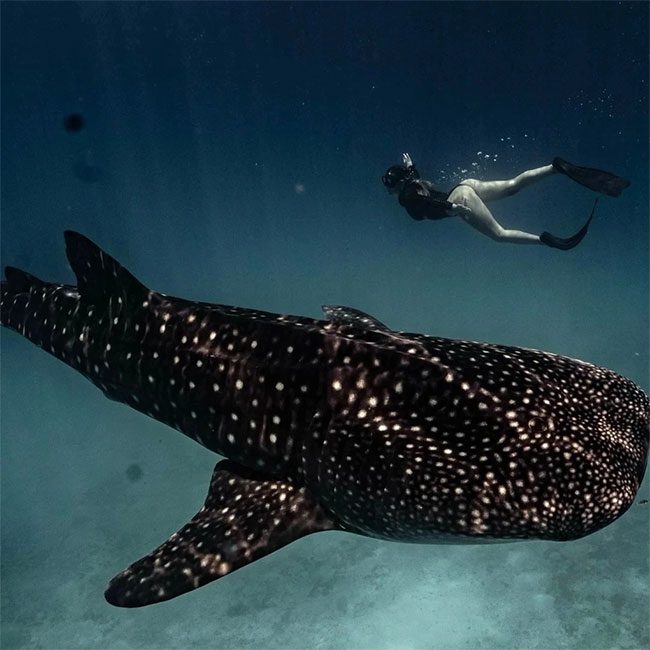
(595, 179)
(569, 242)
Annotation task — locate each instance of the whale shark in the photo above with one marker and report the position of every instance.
(340, 423)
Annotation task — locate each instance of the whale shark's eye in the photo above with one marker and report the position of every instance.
(538, 425)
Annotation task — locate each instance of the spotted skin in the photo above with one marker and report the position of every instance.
(217, 541)
(340, 423)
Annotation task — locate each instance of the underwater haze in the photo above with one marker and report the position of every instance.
(233, 153)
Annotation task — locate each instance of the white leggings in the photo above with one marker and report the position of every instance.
(474, 194)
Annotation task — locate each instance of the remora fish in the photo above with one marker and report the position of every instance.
(339, 424)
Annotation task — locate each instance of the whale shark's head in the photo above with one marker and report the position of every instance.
(622, 417)
(492, 442)
(590, 456)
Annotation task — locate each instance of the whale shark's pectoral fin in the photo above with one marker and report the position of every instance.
(350, 316)
(245, 517)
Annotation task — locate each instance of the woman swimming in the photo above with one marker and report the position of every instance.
(468, 199)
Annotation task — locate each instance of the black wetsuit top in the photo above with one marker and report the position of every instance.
(423, 202)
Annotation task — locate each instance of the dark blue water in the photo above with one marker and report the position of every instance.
(232, 153)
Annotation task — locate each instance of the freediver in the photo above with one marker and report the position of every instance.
(468, 199)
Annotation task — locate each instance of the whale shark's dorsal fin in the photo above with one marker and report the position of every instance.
(350, 316)
(245, 517)
(99, 276)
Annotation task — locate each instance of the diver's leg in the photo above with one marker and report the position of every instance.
(493, 190)
(478, 216)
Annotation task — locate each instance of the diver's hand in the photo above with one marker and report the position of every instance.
(459, 208)
(406, 160)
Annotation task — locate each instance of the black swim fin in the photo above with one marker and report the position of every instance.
(595, 179)
(569, 242)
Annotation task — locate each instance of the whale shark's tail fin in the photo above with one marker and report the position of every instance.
(99, 276)
(56, 317)
(245, 517)
(26, 304)
(18, 281)
(14, 293)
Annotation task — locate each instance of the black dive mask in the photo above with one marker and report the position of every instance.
(399, 173)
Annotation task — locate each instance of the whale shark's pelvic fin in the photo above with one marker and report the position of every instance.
(99, 276)
(245, 517)
(350, 316)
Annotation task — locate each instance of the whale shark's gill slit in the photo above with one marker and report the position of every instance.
(245, 517)
(99, 276)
